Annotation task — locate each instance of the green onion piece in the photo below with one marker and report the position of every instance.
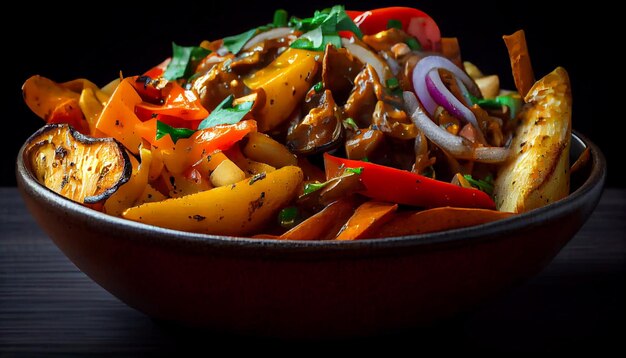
(358, 170)
(392, 83)
(365, 160)
(394, 24)
(311, 187)
(176, 133)
(350, 123)
(225, 113)
(413, 44)
(184, 59)
(288, 216)
(513, 102)
(485, 185)
(280, 18)
(319, 87)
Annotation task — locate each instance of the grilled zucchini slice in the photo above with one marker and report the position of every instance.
(81, 168)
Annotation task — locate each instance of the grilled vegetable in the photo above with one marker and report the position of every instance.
(237, 209)
(81, 168)
(538, 172)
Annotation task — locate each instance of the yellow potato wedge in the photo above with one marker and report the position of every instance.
(237, 209)
(285, 82)
(538, 171)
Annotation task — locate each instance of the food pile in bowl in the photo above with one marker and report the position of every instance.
(345, 125)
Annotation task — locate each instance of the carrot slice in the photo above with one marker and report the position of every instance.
(324, 225)
(520, 61)
(367, 217)
(438, 219)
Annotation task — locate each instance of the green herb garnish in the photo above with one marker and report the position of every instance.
(323, 28)
(288, 217)
(350, 123)
(184, 60)
(280, 18)
(413, 44)
(485, 185)
(176, 133)
(358, 170)
(394, 24)
(235, 43)
(225, 113)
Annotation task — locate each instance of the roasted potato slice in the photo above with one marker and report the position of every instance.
(81, 168)
(538, 171)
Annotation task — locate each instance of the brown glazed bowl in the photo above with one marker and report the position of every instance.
(311, 289)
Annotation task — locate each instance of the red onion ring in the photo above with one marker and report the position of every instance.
(442, 96)
(424, 66)
(456, 146)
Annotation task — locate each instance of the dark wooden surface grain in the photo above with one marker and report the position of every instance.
(578, 303)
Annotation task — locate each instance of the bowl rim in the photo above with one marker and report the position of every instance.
(596, 178)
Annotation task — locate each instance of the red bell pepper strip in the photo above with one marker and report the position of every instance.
(158, 70)
(179, 102)
(414, 22)
(400, 186)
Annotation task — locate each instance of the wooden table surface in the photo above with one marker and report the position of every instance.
(577, 304)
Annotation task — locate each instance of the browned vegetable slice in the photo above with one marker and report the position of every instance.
(537, 172)
(339, 68)
(520, 61)
(432, 220)
(81, 168)
(324, 225)
(321, 130)
(367, 217)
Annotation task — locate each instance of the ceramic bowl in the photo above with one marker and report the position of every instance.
(311, 289)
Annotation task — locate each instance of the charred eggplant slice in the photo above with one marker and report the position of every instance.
(81, 168)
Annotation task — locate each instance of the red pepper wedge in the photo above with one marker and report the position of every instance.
(158, 70)
(400, 186)
(179, 102)
(414, 22)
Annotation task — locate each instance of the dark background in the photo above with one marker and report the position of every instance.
(63, 42)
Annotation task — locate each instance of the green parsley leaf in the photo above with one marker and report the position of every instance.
(176, 133)
(349, 122)
(225, 113)
(485, 185)
(392, 83)
(235, 43)
(288, 217)
(358, 170)
(414, 44)
(183, 62)
(318, 87)
(323, 28)
(311, 187)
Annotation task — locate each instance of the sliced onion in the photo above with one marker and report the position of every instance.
(424, 66)
(272, 34)
(491, 154)
(457, 146)
(464, 91)
(391, 62)
(367, 57)
(442, 95)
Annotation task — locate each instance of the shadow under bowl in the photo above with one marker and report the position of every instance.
(311, 289)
